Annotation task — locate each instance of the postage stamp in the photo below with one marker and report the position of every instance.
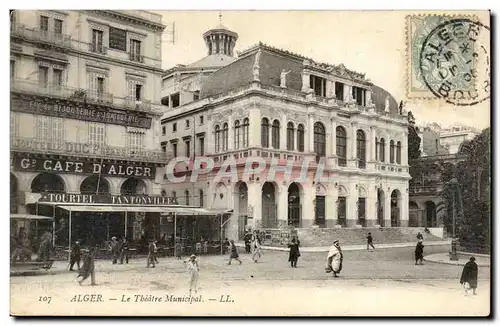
(447, 52)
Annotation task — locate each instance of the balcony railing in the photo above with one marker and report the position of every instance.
(390, 167)
(78, 94)
(136, 57)
(423, 190)
(41, 35)
(35, 145)
(98, 48)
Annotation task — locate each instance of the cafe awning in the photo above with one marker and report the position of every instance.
(30, 217)
(164, 210)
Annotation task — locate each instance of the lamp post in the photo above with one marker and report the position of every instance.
(454, 186)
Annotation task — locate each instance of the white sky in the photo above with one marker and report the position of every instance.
(371, 42)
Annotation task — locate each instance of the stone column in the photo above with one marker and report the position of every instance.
(311, 133)
(373, 135)
(283, 131)
(254, 130)
(347, 93)
(255, 203)
(330, 88)
(230, 136)
(210, 137)
(352, 201)
(371, 206)
(282, 202)
(387, 207)
(309, 195)
(404, 150)
(404, 208)
(351, 147)
(368, 96)
(305, 82)
(331, 206)
(387, 149)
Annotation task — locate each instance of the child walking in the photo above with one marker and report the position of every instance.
(234, 253)
(193, 269)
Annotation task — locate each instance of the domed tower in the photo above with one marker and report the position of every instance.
(220, 40)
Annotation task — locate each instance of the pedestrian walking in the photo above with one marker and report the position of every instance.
(248, 240)
(420, 236)
(193, 270)
(155, 256)
(233, 253)
(88, 268)
(256, 250)
(469, 276)
(178, 248)
(419, 253)
(124, 251)
(151, 254)
(114, 248)
(75, 256)
(294, 253)
(369, 241)
(334, 259)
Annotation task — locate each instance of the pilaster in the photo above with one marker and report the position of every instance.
(352, 211)
(254, 130)
(308, 205)
(310, 134)
(331, 206)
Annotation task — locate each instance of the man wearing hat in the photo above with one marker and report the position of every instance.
(419, 253)
(75, 256)
(114, 246)
(193, 269)
(334, 259)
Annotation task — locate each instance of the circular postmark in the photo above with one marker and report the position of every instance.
(454, 62)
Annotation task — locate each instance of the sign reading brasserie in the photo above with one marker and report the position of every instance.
(106, 199)
(86, 113)
(74, 166)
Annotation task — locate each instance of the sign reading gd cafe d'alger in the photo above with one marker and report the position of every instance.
(106, 199)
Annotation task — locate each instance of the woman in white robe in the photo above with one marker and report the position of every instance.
(256, 250)
(334, 259)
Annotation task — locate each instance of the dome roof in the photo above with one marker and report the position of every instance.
(379, 95)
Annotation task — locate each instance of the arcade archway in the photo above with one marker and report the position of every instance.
(269, 208)
(380, 206)
(47, 182)
(294, 205)
(92, 184)
(395, 208)
(133, 186)
(430, 214)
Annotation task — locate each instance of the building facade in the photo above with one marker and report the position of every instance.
(271, 104)
(85, 111)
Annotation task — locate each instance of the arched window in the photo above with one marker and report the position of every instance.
(174, 195)
(319, 139)
(217, 139)
(300, 138)
(341, 146)
(377, 148)
(290, 131)
(201, 197)
(381, 154)
(276, 134)
(264, 135)
(225, 136)
(361, 149)
(186, 194)
(246, 125)
(398, 152)
(237, 134)
(391, 152)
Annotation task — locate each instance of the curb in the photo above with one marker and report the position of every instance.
(353, 247)
(443, 258)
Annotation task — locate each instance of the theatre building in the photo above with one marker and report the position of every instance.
(270, 103)
(84, 120)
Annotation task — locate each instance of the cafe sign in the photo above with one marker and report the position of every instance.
(82, 112)
(100, 199)
(83, 167)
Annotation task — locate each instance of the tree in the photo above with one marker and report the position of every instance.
(472, 192)
(413, 139)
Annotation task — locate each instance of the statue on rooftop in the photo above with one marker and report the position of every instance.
(283, 77)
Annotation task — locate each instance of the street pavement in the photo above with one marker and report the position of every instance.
(381, 282)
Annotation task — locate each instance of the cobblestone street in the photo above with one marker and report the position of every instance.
(378, 277)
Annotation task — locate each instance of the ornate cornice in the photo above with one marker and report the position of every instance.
(157, 27)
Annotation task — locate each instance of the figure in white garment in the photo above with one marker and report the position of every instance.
(283, 77)
(256, 251)
(334, 259)
(193, 269)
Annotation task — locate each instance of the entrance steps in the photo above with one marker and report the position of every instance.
(317, 237)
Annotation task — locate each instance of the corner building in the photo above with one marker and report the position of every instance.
(274, 104)
(84, 119)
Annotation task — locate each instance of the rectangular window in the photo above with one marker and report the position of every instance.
(202, 146)
(97, 134)
(174, 127)
(196, 95)
(57, 77)
(138, 92)
(135, 50)
(97, 41)
(43, 76)
(58, 26)
(339, 91)
(201, 198)
(201, 120)
(318, 84)
(49, 129)
(12, 69)
(342, 210)
(174, 149)
(186, 193)
(187, 124)
(164, 148)
(44, 23)
(100, 86)
(165, 101)
(361, 211)
(358, 94)
(176, 99)
(135, 142)
(163, 130)
(188, 148)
